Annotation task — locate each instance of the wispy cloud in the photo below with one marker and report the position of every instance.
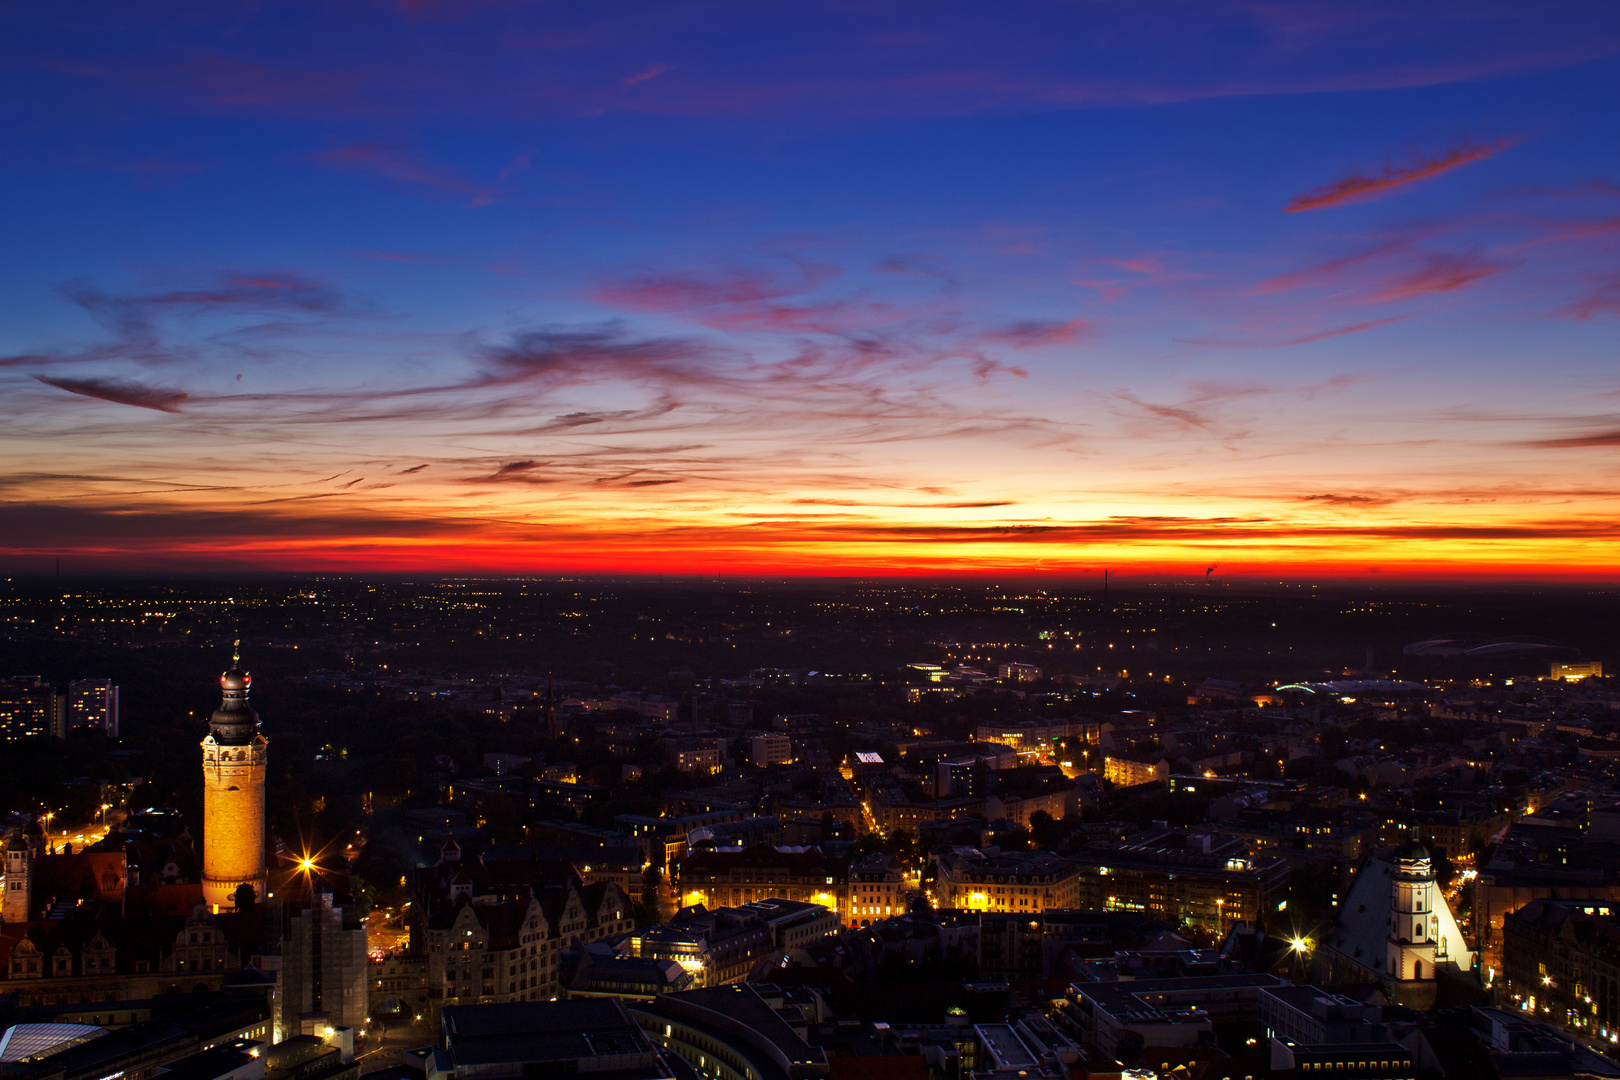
(1437, 273)
(651, 71)
(1601, 298)
(272, 301)
(1348, 501)
(121, 393)
(398, 164)
(1302, 339)
(1593, 439)
(1032, 333)
(521, 472)
(1359, 188)
(688, 291)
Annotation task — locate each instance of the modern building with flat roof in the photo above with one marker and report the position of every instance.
(545, 1038)
(730, 1033)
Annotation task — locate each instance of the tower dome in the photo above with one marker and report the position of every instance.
(1412, 862)
(234, 723)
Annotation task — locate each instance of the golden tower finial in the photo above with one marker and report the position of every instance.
(236, 653)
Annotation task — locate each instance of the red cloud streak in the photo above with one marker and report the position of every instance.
(1358, 188)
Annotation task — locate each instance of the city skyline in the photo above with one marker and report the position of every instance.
(1264, 290)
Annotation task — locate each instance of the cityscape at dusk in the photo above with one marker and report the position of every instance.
(1301, 290)
(691, 540)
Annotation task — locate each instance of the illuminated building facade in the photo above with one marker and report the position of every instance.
(1020, 672)
(1130, 772)
(1025, 881)
(877, 890)
(16, 881)
(234, 757)
(733, 878)
(722, 946)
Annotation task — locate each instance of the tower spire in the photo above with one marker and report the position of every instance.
(236, 653)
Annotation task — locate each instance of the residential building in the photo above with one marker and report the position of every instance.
(706, 757)
(29, 708)
(493, 930)
(93, 703)
(1128, 770)
(1561, 962)
(765, 750)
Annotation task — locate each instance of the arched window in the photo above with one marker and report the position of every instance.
(1417, 969)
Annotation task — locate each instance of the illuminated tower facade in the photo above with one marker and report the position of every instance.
(15, 881)
(234, 755)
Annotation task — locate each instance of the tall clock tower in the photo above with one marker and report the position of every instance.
(234, 755)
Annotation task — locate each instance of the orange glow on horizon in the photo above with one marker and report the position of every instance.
(638, 554)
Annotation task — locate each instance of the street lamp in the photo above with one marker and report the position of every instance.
(1300, 946)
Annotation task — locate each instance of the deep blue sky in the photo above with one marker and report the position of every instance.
(820, 286)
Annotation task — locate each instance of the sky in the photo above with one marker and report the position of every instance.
(1291, 289)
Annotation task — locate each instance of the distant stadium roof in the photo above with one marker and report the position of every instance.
(31, 1040)
(1478, 645)
(1354, 687)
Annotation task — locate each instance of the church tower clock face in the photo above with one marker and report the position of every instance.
(234, 757)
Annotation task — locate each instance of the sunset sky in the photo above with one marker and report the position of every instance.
(1305, 289)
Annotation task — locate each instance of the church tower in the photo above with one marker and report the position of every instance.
(234, 755)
